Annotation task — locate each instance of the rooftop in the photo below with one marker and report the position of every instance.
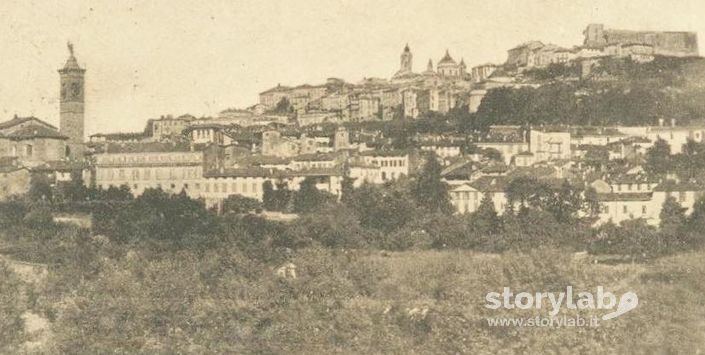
(34, 131)
(18, 120)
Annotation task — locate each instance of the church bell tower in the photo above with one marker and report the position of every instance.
(72, 102)
(406, 60)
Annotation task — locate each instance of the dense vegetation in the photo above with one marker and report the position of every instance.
(618, 92)
(388, 269)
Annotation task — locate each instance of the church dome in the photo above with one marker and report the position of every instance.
(447, 60)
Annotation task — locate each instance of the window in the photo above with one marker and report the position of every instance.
(681, 196)
(643, 209)
(28, 150)
(625, 209)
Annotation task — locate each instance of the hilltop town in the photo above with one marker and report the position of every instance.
(381, 130)
(369, 217)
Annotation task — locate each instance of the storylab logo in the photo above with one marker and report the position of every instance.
(554, 301)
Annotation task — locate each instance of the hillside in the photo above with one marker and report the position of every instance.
(616, 92)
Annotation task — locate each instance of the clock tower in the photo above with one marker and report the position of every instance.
(71, 117)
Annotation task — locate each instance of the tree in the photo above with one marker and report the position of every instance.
(658, 158)
(565, 202)
(696, 219)
(121, 193)
(492, 154)
(39, 216)
(382, 208)
(308, 198)
(40, 188)
(269, 196)
(158, 216)
(485, 217)
(239, 204)
(592, 203)
(430, 192)
(283, 107)
(282, 196)
(672, 216)
(346, 188)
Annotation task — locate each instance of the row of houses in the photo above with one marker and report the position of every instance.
(617, 203)
(181, 167)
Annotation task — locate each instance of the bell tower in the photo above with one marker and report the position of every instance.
(406, 60)
(71, 104)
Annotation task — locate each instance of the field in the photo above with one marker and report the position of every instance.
(354, 302)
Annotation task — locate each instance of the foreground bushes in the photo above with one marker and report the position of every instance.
(361, 302)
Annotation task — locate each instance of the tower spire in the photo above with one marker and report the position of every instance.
(71, 104)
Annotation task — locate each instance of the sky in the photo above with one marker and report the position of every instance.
(150, 58)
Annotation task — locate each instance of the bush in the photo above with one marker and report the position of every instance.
(39, 216)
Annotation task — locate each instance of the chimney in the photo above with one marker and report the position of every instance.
(660, 122)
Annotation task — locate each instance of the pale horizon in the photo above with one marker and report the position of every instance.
(144, 61)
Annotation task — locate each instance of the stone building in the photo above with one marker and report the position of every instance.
(549, 145)
(168, 126)
(32, 141)
(392, 164)
(171, 167)
(447, 67)
(679, 44)
(482, 72)
(72, 105)
(270, 98)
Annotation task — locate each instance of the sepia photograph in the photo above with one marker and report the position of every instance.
(352, 177)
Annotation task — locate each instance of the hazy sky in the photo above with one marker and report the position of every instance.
(148, 58)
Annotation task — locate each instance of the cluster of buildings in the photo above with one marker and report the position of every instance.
(607, 159)
(29, 145)
(407, 94)
(295, 133)
(599, 43)
(640, 46)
